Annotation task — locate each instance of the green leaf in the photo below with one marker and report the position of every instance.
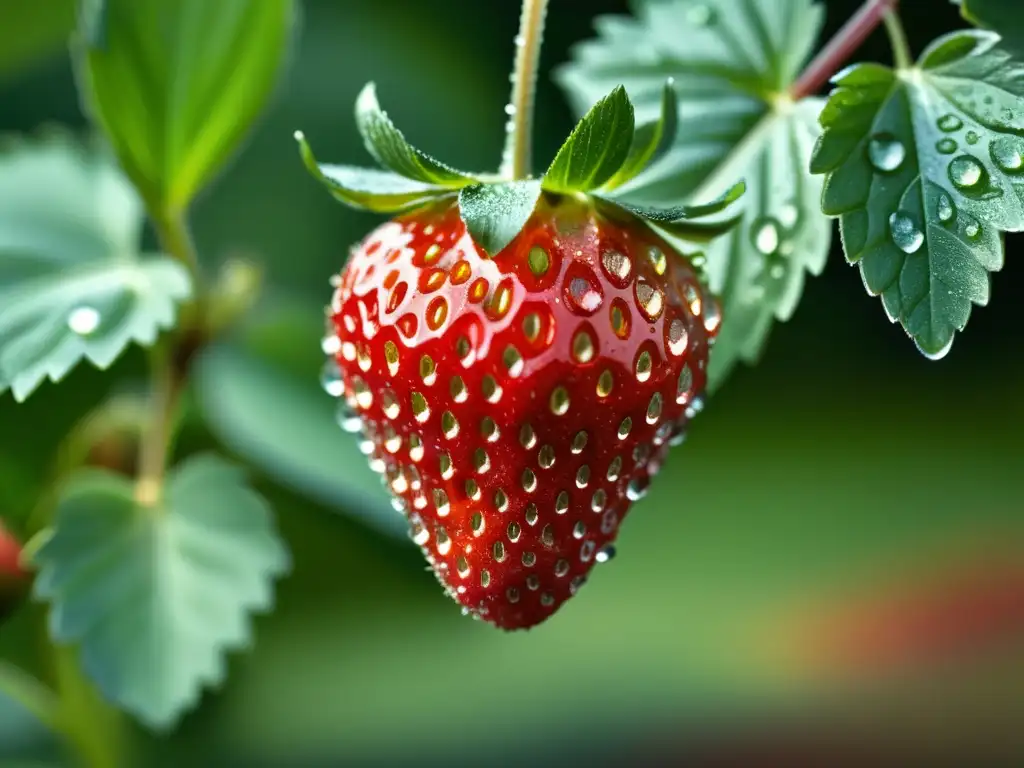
(732, 62)
(177, 84)
(1001, 16)
(369, 188)
(31, 32)
(156, 595)
(389, 147)
(495, 213)
(651, 140)
(683, 221)
(297, 440)
(925, 169)
(597, 147)
(72, 282)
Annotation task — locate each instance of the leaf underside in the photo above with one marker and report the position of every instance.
(925, 170)
(154, 597)
(72, 283)
(729, 60)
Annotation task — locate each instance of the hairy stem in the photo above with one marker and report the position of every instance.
(847, 40)
(168, 366)
(898, 40)
(517, 160)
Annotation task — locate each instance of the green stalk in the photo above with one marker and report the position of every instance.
(517, 160)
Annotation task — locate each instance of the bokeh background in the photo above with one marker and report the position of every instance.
(830, 571)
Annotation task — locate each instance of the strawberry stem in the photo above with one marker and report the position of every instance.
(846, 41)
(516, 161)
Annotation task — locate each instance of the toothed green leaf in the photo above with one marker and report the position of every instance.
(597, 147)
(368, 188)
(925, 170)
(389, 147)
(495, 213)
(1001, 16)
(651, 140)
(155, 595)
(73, 284)
(733, 62)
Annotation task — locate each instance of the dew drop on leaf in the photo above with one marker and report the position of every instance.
(701, 15)
(965, 172)
(905, 234)
(83, 320)
(886, 152)
(789, 215)
(764, 234)
(1006, 153)
(972, 137)
(938, 354)
(971, 227)
(946, 146)
(950, 123)
(944, 208)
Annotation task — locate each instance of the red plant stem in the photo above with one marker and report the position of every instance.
(847, 40)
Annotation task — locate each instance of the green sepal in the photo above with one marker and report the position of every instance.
(389, 147)
(652, 140)
(597, 147)
(369, 189)
(495, 213)
(683, 221)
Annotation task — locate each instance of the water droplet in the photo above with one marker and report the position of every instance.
(644, 365)
(789, 215)
(562, 503)
(348, 419)
(582, 291)
(579, 442)
(614, 467)
(971, 227)
(764, 234)
(1006, 153)
(605, 553)
(905, 234)
(944, 208)
(966, 172)
(886, 152)
(330, 379)
(583, 346)
(83, 320)
(946, 146)
(637, 488)
(938, 354)
(700, 15)
(617, 266)
(972, 137)
(650, 300)
(330, 344)
(950, 123)
(527, 437)
(713, 312)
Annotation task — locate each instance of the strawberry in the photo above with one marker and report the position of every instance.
(518, 353)
(518, 405)
(13, 579)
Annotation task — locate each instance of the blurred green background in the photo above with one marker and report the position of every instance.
(822, 556)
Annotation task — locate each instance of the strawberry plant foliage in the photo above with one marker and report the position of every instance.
(733, 63)
(176, 84)
(73, 283)
(154, 594)
(924, 168)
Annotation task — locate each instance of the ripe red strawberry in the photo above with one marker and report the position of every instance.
(518, 405)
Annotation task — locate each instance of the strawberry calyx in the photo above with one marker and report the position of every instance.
(605, 151)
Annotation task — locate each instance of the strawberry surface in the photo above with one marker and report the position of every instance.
(517, 405)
